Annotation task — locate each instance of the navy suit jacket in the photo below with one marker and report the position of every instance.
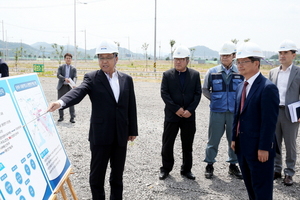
(176, 97)
(258, 118)
(110, 120)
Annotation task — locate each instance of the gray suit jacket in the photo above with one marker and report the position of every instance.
(61, 72)
(293, 87)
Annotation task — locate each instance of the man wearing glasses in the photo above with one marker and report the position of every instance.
(255, 116)
(113, 120)
(219, 87)
(181, 93)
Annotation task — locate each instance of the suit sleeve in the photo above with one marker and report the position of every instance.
(133, 128)
(75, 95)
(197, 94)
(59, 73)
(165, 94)
(269, 113)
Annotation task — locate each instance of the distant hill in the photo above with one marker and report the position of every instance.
(36, 50)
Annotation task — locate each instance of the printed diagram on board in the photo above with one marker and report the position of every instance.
(33, 109)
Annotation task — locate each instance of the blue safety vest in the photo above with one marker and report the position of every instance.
(223, 87)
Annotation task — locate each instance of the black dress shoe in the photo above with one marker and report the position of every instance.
(277, 175)
(60, 119)
(163, 175)
(72, 120)
(288, 180)
(209, 171)
(188, 175)
(235, 171)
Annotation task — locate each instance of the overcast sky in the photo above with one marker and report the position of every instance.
(131, 22)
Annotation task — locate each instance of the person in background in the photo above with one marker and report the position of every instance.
(113, 120)
(287, 79)
(65, 72)
(255, 116)
(181, 93)
(4, 71)
(219, 87)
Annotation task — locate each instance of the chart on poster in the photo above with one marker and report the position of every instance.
(33, 160)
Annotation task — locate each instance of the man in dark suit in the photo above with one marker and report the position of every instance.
(181, 92)
(113, 120)
(4, 72)
(66, 72)
(287, 79)
(253, 135)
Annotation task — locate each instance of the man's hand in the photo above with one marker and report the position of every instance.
(232, 145)
(67, 80)
(180, 112)
(186, 114)
(131, 138)
(53, 106)
(263, 156)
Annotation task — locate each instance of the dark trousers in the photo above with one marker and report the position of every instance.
(100, 155)
(258, 177)
(63, 90)
(187, 132)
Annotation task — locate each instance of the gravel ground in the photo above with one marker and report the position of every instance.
(143, 158)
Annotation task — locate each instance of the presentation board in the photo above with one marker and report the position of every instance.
(33, 160)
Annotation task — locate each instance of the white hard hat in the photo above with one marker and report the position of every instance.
(249, 49)
(287, 45)
(106, 46)
(227, 48)
(181, 52)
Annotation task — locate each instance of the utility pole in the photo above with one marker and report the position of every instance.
(154, 64)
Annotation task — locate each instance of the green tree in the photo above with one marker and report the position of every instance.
(42, 49)
(18, 54)
(58, 52)
(192, 55)
(172, 42)
(235, 41)
(145, 47)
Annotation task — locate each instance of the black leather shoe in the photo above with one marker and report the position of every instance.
(163, 175)
(60, 119)
(209, 171)
(235, 171)
(72, 120)
(188, 175)
(277, 175)
(288, 180)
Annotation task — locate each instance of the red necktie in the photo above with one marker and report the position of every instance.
(244, 91)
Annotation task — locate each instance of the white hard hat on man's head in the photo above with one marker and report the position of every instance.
(106, 46)
(249, 49)
(181, 52)
(287, 45)
(227, 48)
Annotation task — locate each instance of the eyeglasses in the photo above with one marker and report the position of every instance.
(243, 62)
(179, 59)
(107, 58)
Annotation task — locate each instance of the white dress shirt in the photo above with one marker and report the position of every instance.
(282, 81)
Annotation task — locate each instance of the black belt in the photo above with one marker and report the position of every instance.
(281, 106)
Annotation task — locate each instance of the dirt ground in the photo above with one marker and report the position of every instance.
(143, 158)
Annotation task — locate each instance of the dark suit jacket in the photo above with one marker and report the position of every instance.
(258, 118)
(3, 69)
(293, 87)
(61, 73)
(110, 120)
(176, 97)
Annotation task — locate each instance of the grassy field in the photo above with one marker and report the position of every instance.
(136, 68)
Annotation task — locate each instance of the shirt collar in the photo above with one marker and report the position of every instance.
(252, 79)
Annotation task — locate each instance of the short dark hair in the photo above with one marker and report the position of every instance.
(255, 59)
(68, 54)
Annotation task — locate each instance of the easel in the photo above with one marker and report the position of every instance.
(61, 187)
